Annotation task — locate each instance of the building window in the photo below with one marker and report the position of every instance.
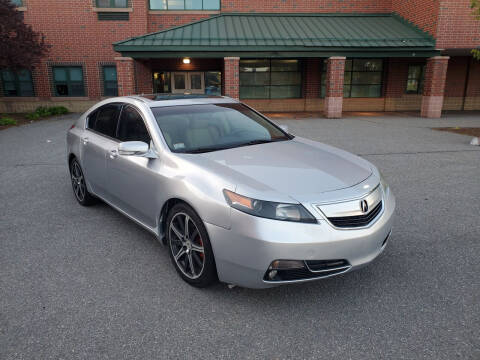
(18, 3)
(416, 75)
(270, 79)
(213, 83)
(110, 85)
(18, 83)
(362, 78)
(112, 3)
(184, 4)
(68, 81)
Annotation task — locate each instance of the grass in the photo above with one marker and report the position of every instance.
(4, 121)
(41, 112)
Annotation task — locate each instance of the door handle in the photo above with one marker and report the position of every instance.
(113, 154)
(85, 140)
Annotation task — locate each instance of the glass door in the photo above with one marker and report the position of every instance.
(179, 82)
(188, 82)
(196, 82)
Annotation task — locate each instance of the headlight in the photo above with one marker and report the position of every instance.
(268, 209)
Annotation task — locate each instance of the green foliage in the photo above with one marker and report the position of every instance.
(7, 121)
(43, 111)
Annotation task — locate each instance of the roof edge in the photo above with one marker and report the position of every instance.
(333, 14)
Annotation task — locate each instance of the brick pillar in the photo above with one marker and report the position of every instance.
(434, 86)
(125, 76)
(334, 87)
(231, 77)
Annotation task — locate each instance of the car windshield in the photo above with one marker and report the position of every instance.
(211, 127)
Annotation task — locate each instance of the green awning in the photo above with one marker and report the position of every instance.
(285, 35)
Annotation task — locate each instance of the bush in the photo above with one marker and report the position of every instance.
(7, 121)
(43, 111)
(32, 116)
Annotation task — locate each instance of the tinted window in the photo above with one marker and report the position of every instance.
(132, 127)
(105, 119)
(210, 127)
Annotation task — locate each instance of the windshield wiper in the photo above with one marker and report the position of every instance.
(261, 141)
(224, 147)
(207, 149)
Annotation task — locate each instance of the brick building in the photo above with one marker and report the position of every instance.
(277, 55)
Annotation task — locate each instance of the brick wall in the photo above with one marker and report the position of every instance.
(76, 35)
(307, 6)
(312, 78)
(231, 77)
(163, 21)
(423, 13)
(472, 100)
(457, 28)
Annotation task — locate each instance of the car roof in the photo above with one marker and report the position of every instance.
(179, 100)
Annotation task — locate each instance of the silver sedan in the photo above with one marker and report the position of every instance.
(235, 197)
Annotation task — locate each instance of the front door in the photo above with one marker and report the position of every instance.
(132, 181)
(188, 82)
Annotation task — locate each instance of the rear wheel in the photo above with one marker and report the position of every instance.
(79, 185)
(190, 248)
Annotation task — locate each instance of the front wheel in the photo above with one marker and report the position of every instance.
(79, 185)
(190, 248)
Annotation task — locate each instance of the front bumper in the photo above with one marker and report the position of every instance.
(244, 253)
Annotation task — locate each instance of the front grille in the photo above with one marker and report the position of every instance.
(326, 265)
(315, 269)
(356, 221)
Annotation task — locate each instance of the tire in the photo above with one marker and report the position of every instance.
(191, 255)
(79, 185)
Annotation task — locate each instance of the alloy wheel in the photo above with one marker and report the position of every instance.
(78, 182)
(186, 245)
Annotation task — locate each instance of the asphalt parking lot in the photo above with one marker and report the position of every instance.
(87, 283)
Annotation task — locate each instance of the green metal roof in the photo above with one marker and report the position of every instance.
(256, 34)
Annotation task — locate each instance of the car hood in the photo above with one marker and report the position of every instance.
(298, 168)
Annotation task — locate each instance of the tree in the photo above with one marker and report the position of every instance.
(475, 5)
(21, 47)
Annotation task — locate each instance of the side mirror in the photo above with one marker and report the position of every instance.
(284, 128)
(133, 148)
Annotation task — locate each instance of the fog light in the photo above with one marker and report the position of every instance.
(287, 264)
(272, 274)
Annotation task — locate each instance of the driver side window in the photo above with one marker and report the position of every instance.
(132, 126)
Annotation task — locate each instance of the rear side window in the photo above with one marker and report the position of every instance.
(105, 120)
(132, 127)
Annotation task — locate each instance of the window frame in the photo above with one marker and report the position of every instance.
(420, 80)
(125, 105)
(269, 85)
(362, 84)
(96, 111)
(382, 78)
(184, 7)
(68, 82)
(104, 67)
(16, 81)
(112, 5)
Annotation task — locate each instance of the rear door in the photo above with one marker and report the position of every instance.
(133, 185)
(98, 138)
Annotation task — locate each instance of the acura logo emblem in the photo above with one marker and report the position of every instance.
(364, 206)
